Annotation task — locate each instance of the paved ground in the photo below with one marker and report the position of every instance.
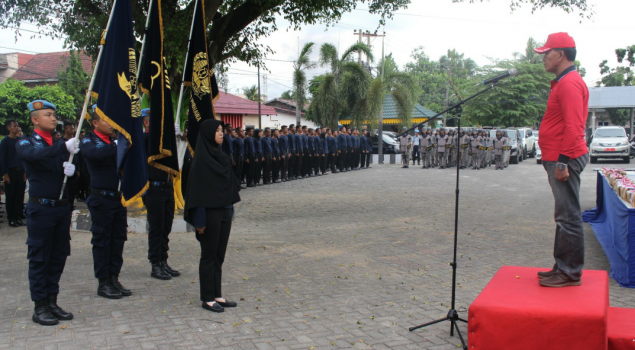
(338, 262)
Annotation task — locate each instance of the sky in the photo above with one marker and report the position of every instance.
(480, 30)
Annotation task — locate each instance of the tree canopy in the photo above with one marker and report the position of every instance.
(14, 97)
(623, 75)
(235, 27)
(74, 81)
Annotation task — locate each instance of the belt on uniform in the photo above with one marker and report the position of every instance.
(48, 202)
(160, 184)
(464, 146)
(105, 193)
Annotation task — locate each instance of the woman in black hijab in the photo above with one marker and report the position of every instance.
(209, 206)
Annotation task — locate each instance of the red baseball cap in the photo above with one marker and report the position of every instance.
(556, 41)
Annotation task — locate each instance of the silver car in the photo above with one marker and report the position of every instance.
(610, 142)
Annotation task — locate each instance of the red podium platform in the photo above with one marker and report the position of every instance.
(621, 329)
(515, 312)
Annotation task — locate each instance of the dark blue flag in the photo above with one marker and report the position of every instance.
(199, 77)
(118, 101)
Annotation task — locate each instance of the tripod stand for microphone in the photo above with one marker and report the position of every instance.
(453, 315)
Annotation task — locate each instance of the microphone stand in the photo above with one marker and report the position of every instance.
(453, 315)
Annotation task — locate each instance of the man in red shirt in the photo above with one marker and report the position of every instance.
(564, 156)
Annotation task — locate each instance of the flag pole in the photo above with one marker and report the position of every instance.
(90, 89)
(143, 42)
(189, 40)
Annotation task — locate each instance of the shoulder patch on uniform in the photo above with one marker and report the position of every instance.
(24, 142)
(86, 140)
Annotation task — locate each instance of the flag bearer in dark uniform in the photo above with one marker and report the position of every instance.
(238, 147)
(14, 175)
(276, 161)
(283, 144)
(267, 154)
(159, 201)
(48, 219)
(108, 215)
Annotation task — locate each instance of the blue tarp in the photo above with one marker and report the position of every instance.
(614, 226)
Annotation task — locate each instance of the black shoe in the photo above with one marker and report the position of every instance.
(107, 290)
(57, 311)
(169, 270)
(215, 307)
(114, 280)
(251, 185)
(159, 273)
(227, 303)
(20, 222)
(14, 223)
(42, 314)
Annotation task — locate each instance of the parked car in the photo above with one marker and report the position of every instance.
(610, 142)
(390, 145)
(516, 144)
(528, 142)
(538, 154)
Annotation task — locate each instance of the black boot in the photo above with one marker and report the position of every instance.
(114, 280)
(169, 270)
(58, 311)
(107, 290)
(159, 273)
(42, 314)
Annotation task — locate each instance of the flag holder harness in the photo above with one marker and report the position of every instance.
(453, 315)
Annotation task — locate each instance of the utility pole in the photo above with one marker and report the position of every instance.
(367, 35)
(447, 97)
(259, 110)
(380, 121)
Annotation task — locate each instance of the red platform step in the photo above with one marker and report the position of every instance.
(621, 329)
(515, 312)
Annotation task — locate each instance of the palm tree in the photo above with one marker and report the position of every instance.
(530, 55)
(251, 93)
(299, 79)
(342, 90)
(402, 88)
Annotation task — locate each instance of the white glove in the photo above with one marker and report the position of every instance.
(177, 130)
(116, 142)
(72, 146)
(69, 169)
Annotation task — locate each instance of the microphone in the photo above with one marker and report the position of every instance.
(511, 73)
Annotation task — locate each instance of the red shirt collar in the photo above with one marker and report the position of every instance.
(45, 135)
(103, 137)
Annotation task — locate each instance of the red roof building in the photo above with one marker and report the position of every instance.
(42, 68)
(240, 111)
(11, 62)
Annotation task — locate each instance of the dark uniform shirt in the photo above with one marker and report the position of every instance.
(238, 146)
(292, 143)
(265, 144)
(8, 155)
(283, 144)
(101, 160)
(43, 165)
(349, 141)
(332, 144)
(341, 141)
(275, 147)
(258, 145)
(250, 146)
(227, 144)
(305, 142)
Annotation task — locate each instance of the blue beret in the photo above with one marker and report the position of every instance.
(417, 131)
(40, 104)
(94, 106)
(145, 112)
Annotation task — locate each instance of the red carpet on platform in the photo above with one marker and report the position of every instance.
(515, 312)
(621, 329)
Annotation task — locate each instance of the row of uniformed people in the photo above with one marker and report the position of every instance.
(436, 147)
(291, 153)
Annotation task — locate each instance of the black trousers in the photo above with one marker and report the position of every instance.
(238, 168)
(323, 163)
(291, 165)
(266, 169)
(282, 165)
(109, 228)
(258, 168)
(342, 160)
(332, 159)
(363, 160)
(213, 248)
(368, 156)
(249, 169)
(306, 162)
(298, 164)
(49, 244)
(15, 193)
(275, 168)
(159, 202)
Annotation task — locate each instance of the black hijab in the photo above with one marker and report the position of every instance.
(211, 182)
(256, 135)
